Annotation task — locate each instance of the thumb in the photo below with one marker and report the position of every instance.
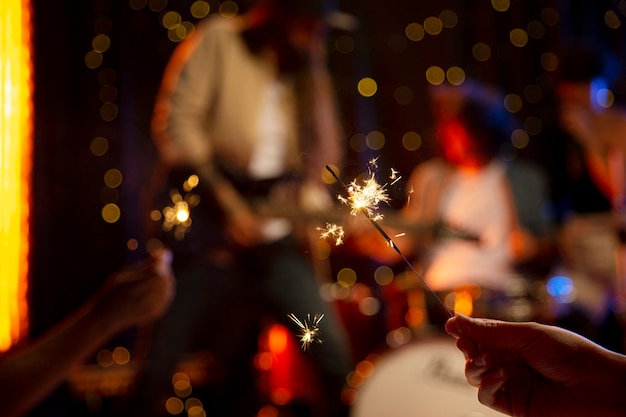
(495, 334)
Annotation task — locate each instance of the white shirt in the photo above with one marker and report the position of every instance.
(476, 202)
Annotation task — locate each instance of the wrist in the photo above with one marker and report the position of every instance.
(102, 318)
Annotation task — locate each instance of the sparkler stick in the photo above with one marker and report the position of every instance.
(390, 242)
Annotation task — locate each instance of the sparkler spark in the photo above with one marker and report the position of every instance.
(365, 197)
(334, 231)
(367, 210)
(309, 329)
(394, 177)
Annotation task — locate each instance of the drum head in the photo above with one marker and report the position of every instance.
(421, 379)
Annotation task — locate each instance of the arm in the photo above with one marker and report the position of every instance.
(130, 297)
(532, 370)
(242, 224)
(601, 134)
(184, 105)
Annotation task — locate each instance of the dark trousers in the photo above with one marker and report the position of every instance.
(219, 302)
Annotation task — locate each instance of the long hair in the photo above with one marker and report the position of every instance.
(480, 108)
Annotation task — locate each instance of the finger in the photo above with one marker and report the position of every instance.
(156, 266)
(467, 346)
(476, 369)
(494, 334)
(163, 258)
(451, 328)
(491, 391)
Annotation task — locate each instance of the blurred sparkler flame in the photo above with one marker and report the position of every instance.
(177, 217)
(309, 329)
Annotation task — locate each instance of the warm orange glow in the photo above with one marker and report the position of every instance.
(287, 376)
(464, 303)
(277, 339)
(15, 166)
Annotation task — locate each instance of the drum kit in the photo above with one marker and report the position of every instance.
(419, 379)
(419, 372)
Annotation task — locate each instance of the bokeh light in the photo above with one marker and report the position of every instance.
(111, 213)
(99, 146)
(157, 5)
(411, 141)
(481, 51)
(229, 8)
(518, 37)
(346, 277)
(501, 5)
(200, 9)
(449, 18)
(513, 103)
(455, 75)
(403, 95)
(367, 87)
(435, 75)
(612, 20)
(137, 4)
(93, 59)
(415, 31)
(101, 43)
(433, 25)
(375, 140)
(383, 275)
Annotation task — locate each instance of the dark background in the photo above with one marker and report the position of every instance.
(74, 249)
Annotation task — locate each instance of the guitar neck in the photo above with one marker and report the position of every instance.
(420, 230)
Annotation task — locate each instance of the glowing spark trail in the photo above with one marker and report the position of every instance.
(408, 200)
(309, 329)
(394, 177)
(332, 231)
(358, 205)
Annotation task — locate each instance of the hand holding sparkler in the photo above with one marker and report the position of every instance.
(132, 296)
(534, 370)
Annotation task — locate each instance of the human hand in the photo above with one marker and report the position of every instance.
(137, 294)
(244, 227)
(532, 370)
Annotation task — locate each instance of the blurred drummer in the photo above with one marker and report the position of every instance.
(475, 187)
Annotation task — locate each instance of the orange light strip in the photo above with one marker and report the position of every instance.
(16, 114)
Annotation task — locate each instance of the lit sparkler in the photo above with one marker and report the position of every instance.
(309, 329)
(365, 199)
(333, 231)
(177, 217)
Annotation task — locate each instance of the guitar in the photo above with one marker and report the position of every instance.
(179, 204)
